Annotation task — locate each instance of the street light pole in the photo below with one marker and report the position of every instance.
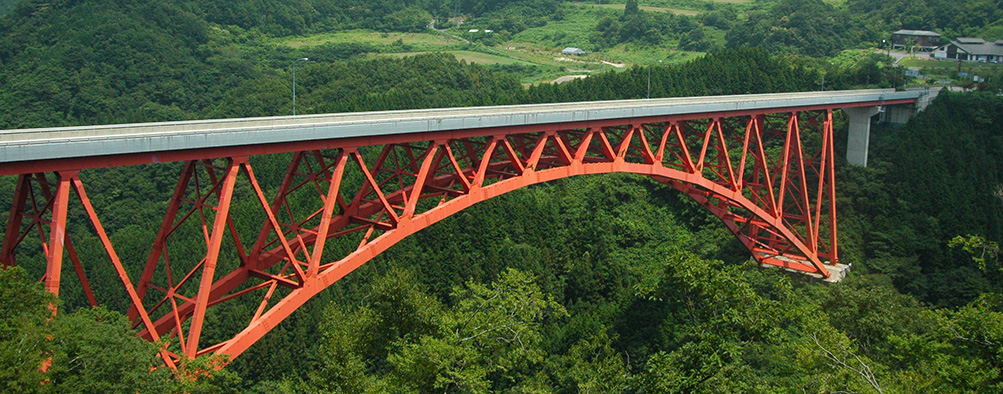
(649, 79)
(823, 75)
(302, 59)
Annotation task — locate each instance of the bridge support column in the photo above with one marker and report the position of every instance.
(860, 134)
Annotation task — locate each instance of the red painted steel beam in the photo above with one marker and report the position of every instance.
(777, 207)
(44, 166)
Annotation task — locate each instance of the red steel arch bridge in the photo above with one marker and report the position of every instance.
(355, 184)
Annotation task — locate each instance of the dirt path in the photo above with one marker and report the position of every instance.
(568, 78)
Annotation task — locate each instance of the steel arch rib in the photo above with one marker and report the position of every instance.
(765, 202)
(335, 271)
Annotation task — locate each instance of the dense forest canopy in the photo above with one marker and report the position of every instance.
(966, 18)
(811, 27)
(611, 284)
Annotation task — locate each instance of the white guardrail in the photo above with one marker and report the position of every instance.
(90, 141)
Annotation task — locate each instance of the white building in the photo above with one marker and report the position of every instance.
(572, 51)
(971, 50)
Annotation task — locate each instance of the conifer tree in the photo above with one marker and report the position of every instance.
(631, 8)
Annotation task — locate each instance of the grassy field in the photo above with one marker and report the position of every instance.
(532, 72)
(691, 4)
(936, 70)
(535, 51)
(368, 37)
(574, 30)
(947, 66)
(468, 56)
(620, 7)
(631, 55)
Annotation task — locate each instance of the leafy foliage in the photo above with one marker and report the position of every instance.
(636, 26)
(91, 350)
(964, 18)
(810, 27)
(907, 236)
(23, 330)
(414, 344)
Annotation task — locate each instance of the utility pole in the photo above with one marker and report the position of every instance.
(649, 79)
(302, 59)
(823, 76)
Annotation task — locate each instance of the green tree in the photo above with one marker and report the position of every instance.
(594, 366)
(95, 352)
(487, 339)
(985, 253)
(810, 27)
(631, 8)
(24, 331)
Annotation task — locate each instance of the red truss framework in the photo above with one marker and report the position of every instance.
(768, 175)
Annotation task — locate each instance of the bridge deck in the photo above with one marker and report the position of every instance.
(34, 145)
(783, 211)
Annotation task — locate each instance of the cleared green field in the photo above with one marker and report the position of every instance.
(913, 62)
(632, 55)
(468, 56)
(536, 49)
(573, 30)
(485, 58)
(946, 64)
(676, 11)
(367, 37)
(542, 45)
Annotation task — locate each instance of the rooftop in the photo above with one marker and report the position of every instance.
(970, 40)
(978, 46)
(917, 33)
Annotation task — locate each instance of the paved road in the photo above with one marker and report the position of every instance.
(100, 141)
(898, 55)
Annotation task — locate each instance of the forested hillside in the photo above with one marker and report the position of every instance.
(612, 284)
(6, 6)
(818, 28)
(970, 18)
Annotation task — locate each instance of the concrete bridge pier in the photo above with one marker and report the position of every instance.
(859, 136)
(860, 133)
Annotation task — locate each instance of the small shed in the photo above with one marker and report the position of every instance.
(572, 51)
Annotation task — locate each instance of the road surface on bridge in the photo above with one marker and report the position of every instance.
(96, 141)
(763, 164)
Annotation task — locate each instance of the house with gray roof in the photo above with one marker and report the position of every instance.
(971, 50)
